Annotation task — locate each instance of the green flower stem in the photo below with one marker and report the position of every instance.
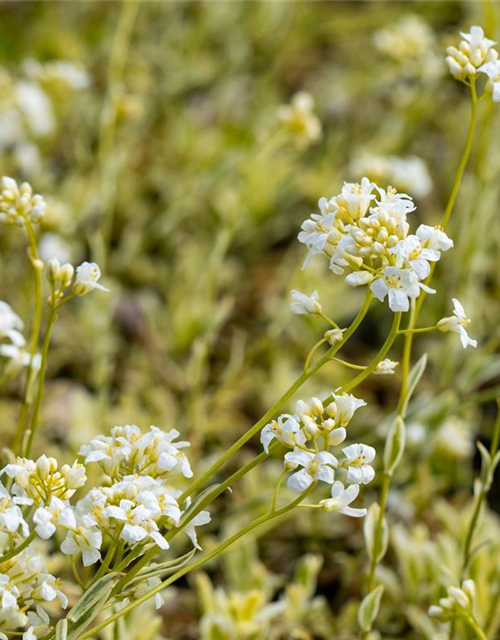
(198, 563)
(349, 365)
(422, 330)
(393, 334)
(312, 352)
(195, 486)
(384, 492)
(52, 317)
(33, 346)
(476, 628)
(479, 501)
(17, 550)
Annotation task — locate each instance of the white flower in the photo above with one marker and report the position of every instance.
(459, 602)
(457, 323)
(304, 304)
(86, 539)
(286, 430)
(433, 238)
(400, 285)
(128, 449)
(56, 513)
(358, 278)
(341, 499)
(333, 336)
(492, 70)
(300, 119)
(11, 516)
(316, 466)
(386, 367)
(87, 276)
(11, 325)
(358, 457)
(343, 408)
(200, 519)
(36, 107)
(19, 357)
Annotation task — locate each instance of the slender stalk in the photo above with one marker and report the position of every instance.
(384, 492)
(393, 334)
(41, 380)
(198, 563)
(33, 346)
(476, 628)
(201, 480)
(17, 550)
(479, 502)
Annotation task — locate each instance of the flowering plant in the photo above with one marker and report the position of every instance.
(132, 511)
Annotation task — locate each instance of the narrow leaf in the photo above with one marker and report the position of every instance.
(395, 445)
(92, 598)
(62, 629)
(369, 608)
(414, 376)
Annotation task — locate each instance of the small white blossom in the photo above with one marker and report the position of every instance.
(358, 457)
(11, 516)
(199, 520)
(333, 336)
(399, 285)
(19, 358)
(316, 466)
(46, 519)
(86, 539)
(433, 238)
(386, 367)
(304, 304)
(286, 430)
(87, 276)
(458, 603)
(492, 70)
(300, 120)
(457, 324)
(341, 499)
(11, 325)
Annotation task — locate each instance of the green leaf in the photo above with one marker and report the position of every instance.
(369, 608)
(164, 567)
(89, 605)
(394, 445)
(413, 379)
(62, 629)
(376, 545)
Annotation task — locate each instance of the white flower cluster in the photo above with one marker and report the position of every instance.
(364, 231)
(472, 52)
(25, 586)
(475, 53)
(459, 603)
(18, 204)
(312, 423)
(135, 502)
(300, 120)
(87, 277)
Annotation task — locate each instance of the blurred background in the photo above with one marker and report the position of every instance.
(158, 135)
